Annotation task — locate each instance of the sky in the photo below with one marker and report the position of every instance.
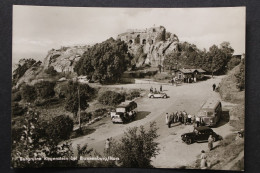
(37, 29)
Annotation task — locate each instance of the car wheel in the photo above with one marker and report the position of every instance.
(189, 141)
(151, 96)
(164, 96)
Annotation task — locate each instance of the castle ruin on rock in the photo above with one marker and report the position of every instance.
(154, 42)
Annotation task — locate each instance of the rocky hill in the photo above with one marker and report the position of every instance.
(149, 46)
(65, 58)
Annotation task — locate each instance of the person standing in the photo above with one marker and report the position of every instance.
(160, 88)
(214, 86)
(166, 118)
(198, 121)
(151, 89)
(203, 162)
(170, 121)
(210, 142)
(107, 146)
(189, 118)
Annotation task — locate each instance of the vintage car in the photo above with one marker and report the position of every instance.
(199, 134)
(157, 95)
(125, 112)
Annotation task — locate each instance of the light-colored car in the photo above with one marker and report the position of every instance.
(157, 95)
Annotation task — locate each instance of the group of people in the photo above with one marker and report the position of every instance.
(182, 117)
(204, 164)
(155, 90)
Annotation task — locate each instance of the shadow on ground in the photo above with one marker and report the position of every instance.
(141, 114)
(224, 119)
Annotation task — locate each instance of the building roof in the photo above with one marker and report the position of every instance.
(191, 70)
(200, 70)
(187, 70)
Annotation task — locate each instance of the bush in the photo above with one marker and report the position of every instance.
(233, 62)
(17, 110)
(45, 89)
(132, 94)
(28, 93)
(85, 117)
(46, 102)
(16, 97)
(241, 76)
(51, 71)
(60, 128)
(111, 98)
(99, 112)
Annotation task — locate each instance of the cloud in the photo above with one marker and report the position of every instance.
(39, 29)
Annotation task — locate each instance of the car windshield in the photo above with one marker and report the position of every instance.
(120, 109)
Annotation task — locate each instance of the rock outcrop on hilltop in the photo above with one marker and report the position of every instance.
(64, 59)
(25, 67)
(149, 46)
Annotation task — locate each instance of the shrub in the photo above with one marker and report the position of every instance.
(132, 94)
(111, 98)
(99, 112)
(16, 97)
(17, 110)
(45, 89)
(233, 62)
(51, 71)
(46, 102)
(28, 93)
(60, 128)
(85, 117)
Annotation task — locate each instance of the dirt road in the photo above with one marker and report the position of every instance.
(173, 153)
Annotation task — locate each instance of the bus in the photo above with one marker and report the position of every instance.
(210, 112)
(125, 112)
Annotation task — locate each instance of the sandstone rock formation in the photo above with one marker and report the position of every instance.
(64, 59)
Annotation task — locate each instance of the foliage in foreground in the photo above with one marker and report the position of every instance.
(137, 147)
(35, 143)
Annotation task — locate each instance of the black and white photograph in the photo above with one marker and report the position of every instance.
(128, 87)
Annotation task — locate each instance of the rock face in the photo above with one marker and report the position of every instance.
(149, 46)
(64, 59)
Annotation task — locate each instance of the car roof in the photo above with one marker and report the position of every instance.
(202, 128)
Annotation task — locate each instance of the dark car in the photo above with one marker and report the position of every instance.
(199, 134)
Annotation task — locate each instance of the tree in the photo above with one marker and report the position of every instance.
(28, 93)
(59, 128)
(33, 142)
(241, 76)
(72, 99)
(137, 147)
(104, 62)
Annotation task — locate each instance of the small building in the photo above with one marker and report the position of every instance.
(189, 75)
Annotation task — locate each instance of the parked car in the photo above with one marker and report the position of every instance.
(157, 95)
(199, 134)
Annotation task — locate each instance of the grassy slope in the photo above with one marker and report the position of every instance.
(229, 148)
